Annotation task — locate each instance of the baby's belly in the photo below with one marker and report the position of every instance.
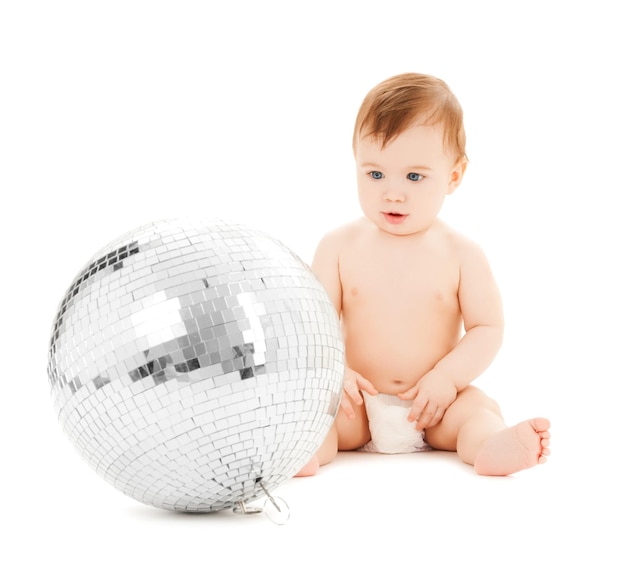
(394, 361)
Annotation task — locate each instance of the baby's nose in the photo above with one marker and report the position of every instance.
(394, 195)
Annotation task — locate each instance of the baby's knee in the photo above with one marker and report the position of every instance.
(352, 441)
(328, 450)
(352, 433)
(479, 399)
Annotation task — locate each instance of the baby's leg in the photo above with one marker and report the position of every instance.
(325, 454)
(473, 426)
(345, 435)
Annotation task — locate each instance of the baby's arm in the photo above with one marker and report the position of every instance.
(481, 309)
(325, 266)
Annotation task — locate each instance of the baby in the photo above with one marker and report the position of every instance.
(420, 310)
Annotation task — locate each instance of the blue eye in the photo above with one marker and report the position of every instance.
(414, 177)
(376, 175)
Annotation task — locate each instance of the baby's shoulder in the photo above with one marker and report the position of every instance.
(463, 246)
(332, 245)
(343, 234)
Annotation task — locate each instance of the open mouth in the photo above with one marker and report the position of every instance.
(394, 217)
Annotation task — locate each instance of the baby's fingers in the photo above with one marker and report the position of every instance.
(417, 408)
(429, 416)
(347, 407)
(428, 420)
(365, 385)
(351, 390)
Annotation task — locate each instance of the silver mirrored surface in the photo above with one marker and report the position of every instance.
(191, 361)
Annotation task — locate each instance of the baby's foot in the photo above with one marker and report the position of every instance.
(514, 448)
(310, 468)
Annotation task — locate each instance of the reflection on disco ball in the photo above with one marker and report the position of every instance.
(196, 365)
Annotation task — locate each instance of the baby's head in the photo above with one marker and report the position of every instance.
(408, 99)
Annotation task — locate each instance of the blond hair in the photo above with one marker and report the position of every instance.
(403, 100)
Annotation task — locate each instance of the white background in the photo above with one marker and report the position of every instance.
(113, 114)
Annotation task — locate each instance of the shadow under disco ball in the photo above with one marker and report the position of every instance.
(196, 365)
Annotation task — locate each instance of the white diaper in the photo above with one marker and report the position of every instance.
(390, 430)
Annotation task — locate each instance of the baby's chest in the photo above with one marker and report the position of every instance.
(400, 283)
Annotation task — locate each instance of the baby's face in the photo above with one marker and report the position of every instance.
(402, 187)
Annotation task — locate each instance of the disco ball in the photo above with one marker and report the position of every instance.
(196, 365)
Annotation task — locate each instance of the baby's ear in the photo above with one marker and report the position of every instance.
(456, 175)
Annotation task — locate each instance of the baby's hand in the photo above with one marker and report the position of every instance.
(353, 382)
(431, 395)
